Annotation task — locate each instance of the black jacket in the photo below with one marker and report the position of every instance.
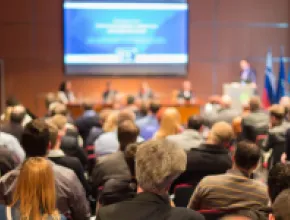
(276, 140)
(146, 206)
(203, 161)
(85, 123)
(256, 123)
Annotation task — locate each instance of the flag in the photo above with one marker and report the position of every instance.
(269, 85)
(281, 89)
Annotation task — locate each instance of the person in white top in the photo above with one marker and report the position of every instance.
(65, 93)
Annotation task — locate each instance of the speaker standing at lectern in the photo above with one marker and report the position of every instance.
(248, 74)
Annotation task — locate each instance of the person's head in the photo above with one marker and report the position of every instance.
(116, 190)
(130, 100)
(54, 136)
(187, 85)
(158, 164)
(127, 133)
(247, 156)
(144, 86)
(285, 101)
(65, 86)
(195, 122)
(11, 101)
(280, 208)
(244, 64)
(277, 113)
(154, 108)
(59, 109)
(50, 98)
(226, 101)
(236, 217)
(221, 134)
(35, 138)
(111, 122)
(104, 114)
(125, 115)
(237, 125)
(278, 180)
(18, 113)
(170, 123)
(255, 104)
(88, 106)
(59, 121)
(35, 189)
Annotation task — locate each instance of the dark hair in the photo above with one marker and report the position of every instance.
(154, 108)
(278, 180)
(247, 155)
(116, 190)
(195, 122)
(127, 133)
(62, 86)
(17, 117)
(281, 206)
(12, 101)
(130, 100)
(35, 138)
(130, 154)
(88, 106)
(143, 110)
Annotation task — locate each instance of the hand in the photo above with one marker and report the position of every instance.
(283, 158)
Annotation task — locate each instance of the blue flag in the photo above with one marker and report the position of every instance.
(281, 89)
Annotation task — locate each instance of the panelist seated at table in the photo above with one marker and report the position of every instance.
(109, 94)
(145, 92)
(186, 93)
(65, 93)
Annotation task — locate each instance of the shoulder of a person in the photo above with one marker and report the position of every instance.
(62, 172)
(188, 213)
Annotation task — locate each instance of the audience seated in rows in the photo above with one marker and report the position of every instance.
(158, 163)
(211, 157)
(69, 143)
(35, 188)
(107, 143)
(256, 122)
(149, 124)
(234, 190)
(190, 137)
(170, 123)
(115, 166)
(57, 155)
(87, 121)
(71, 197)
(12, 144)
(276, 139)
(14, 125)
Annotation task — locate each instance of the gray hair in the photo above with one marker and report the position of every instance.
(158, 163)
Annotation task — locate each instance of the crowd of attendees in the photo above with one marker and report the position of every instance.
(141, 162)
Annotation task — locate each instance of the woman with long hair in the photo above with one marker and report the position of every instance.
(35, 197)
(65, 93)
(170, 123)
(111, 122)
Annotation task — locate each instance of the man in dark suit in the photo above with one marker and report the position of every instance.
(14, 127)
(256, 123)
(87, 121)
(109, 93)
(276, 138)
(248, 74)
(158, 163)
(185, 94)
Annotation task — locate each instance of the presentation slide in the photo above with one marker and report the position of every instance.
(126, 37)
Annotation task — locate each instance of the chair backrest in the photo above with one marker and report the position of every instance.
(182, 194)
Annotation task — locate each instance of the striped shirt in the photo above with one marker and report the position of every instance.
(230, 191)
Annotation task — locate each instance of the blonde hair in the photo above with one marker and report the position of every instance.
(158, 163)
(35, 190)
(170, 123)
(111, 122)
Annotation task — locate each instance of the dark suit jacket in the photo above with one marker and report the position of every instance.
(85, 124)
(108, 94)
(181, 95)
(146, 206)
(256, 123)
(251, 76)
(276, 140)
(14, 129)
(70, 147)
(203, 161)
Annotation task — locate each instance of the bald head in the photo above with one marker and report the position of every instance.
(221, 133)
(18, 113)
